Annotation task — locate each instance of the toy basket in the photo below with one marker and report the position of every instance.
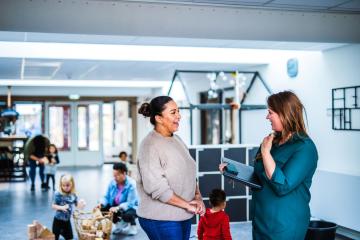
(93, 225)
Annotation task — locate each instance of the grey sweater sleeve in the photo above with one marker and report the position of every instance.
(152, 174)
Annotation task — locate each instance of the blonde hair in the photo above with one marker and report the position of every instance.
(67, 178)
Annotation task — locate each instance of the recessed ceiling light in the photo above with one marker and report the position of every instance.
(74, 96)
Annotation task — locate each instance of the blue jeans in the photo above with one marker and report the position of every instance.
(32, 172)
(166, 230)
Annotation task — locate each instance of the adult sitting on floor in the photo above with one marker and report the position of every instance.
(121, 199)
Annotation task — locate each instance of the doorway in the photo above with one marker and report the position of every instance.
(74, 127)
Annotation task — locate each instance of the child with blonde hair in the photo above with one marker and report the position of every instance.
(64, 201)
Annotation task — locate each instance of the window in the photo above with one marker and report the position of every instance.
(88, 127)
(29, 122)
(59, 126)
(108, 130)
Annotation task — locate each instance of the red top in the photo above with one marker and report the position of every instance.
(214, 226)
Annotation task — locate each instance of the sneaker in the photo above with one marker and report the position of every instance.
(119, 226)
(130, 230)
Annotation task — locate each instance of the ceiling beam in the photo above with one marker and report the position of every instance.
(171, 20)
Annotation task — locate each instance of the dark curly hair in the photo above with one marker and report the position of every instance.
(155, 107)
(217, 197)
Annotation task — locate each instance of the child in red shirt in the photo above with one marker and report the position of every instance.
(214, 225)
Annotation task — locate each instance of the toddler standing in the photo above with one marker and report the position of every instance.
(215, 223)
(64, 201)
(50, 166)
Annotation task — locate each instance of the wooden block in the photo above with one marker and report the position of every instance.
(31, 231)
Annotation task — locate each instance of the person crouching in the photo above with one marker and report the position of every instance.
(121, 199)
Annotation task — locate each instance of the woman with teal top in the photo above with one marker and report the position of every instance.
(285, 165)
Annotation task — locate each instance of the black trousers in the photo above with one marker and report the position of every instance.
(52, 176)
(128, 216)
(62, 228)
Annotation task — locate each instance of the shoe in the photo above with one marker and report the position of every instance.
(32, 187)
(131, 230)
(119, 226)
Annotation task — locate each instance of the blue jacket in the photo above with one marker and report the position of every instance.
(129, 197)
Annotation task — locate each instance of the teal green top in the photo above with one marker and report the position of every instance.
(281, 208)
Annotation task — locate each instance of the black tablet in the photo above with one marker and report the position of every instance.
(241, 172)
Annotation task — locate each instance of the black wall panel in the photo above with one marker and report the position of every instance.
(208, 182)
(234, 188)
(236, 154)
(193, 220)
(250, 210)
(252, 155)
(209, 159)
(207, 203)
(193, 153)
(236, 209)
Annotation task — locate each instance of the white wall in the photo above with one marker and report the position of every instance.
(318, 74)
(338, 150)
(339, 153)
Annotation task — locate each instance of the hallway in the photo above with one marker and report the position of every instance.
(19, 206)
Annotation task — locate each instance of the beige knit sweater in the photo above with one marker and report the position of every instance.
(164, 167)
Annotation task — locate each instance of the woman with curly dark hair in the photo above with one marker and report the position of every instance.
(168, 200)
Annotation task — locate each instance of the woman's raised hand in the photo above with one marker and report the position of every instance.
(267, 143)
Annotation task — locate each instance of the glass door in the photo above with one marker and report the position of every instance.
(89, 134)
(58, 127)
(74, 127)
(117, 130)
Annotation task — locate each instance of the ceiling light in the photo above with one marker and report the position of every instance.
(46, 50)
(85, 83)
(74, 96)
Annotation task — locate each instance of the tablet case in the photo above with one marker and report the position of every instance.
(241, 172)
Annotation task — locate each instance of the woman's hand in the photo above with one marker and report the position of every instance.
(43, 160)
(268, 161)
(114, 209)
(191, 208)
(222, 167)
(266, 144)
(200, 206)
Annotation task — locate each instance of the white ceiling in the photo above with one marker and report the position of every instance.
(343, 6)
(46, 69)
(15, 68)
